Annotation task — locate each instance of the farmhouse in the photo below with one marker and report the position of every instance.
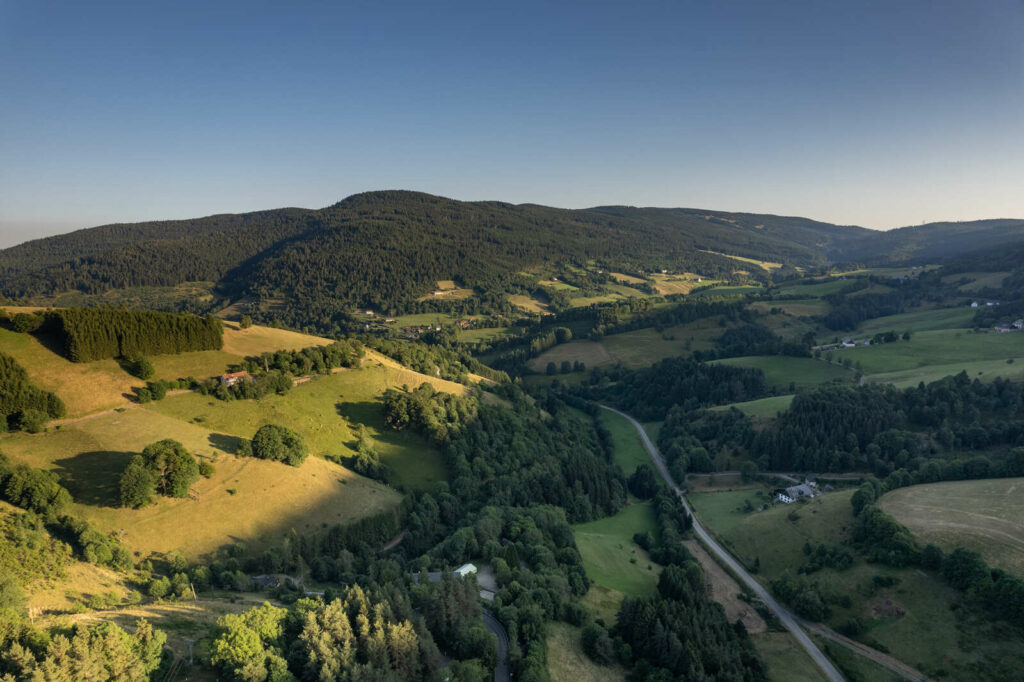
(794, 493)
(233, 378)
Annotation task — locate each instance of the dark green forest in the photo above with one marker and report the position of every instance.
(87, 334)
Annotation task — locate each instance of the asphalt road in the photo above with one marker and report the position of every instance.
(501, 673)
(785, 617)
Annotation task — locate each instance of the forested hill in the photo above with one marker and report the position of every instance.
(934, 242)
(384, 249)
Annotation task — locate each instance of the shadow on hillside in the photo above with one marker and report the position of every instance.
(50, 341)
(225, 443)
(92, 477)
(369, 412)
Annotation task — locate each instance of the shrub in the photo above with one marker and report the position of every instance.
(142, 368)
(206, 469)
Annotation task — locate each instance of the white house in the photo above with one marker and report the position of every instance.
(464, 570)
(784, 498)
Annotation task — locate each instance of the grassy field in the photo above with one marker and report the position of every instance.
(88, 387)
(763, 408)
(246, 500)
(618, 566)
(781, 371)
(629, 451)
(626, 279)
(950, 347)
(815, 290)
(920, 321)
(424, 319)
(785, 659)
(764, 264)
(268, 499)
(981, 280)
(806, 307)
(530, 305)
(568, 663)
(912, 619)
(326, 411)
(984, 370)
(591, 353)
(981, 515)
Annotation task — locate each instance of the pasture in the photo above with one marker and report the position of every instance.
(951, 347)
(981, 515)
(88, 387)
(326, 411)
(617, 565)
(785, 372)
(920, 321)
(268, 499)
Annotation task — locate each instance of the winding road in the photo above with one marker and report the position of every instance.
(784, 616)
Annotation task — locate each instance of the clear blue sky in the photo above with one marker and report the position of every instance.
(874, 113)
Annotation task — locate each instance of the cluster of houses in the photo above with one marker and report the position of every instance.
(987, 304)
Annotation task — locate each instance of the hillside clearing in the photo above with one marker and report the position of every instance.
(763, 408)
(921, 321)
(981, 515)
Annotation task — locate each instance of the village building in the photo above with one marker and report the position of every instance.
(464, 570)
(233, 378)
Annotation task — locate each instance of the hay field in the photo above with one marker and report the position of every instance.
(981, 515)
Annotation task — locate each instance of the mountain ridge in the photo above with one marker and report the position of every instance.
(386, 248)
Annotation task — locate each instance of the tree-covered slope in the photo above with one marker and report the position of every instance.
(384, 249)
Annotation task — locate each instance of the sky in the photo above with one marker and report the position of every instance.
(880, 114)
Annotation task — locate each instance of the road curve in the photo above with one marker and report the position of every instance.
(785, 617)
(501, 671)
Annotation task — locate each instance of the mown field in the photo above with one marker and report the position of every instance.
(611, 558)
(784, 372)
(984, 515)
(913, 620)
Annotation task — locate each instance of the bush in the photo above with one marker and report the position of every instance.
(206, 469)
(142, 368)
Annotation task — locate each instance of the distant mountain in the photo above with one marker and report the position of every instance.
(385, 249)
(934, 242)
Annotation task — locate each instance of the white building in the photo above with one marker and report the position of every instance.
(464, 570)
